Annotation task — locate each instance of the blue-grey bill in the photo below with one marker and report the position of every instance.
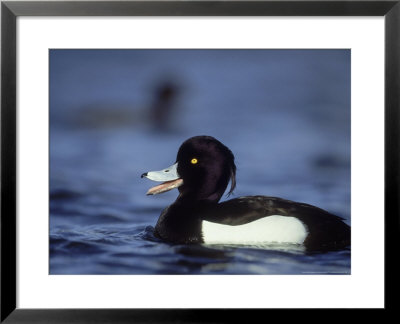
(167, 174)
(170, 179)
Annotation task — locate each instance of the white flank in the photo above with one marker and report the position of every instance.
(279, 229)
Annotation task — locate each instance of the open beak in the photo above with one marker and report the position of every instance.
(169, 178)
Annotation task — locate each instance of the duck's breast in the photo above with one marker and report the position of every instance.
(280, 229)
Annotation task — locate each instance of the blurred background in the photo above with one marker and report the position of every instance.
(115, 114)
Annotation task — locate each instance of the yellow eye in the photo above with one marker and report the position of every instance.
(194, 161)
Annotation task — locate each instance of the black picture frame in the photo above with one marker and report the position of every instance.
(10, 10)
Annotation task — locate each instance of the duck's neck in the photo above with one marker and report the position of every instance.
(196, 197)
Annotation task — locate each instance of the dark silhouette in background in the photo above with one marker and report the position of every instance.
(164, 106)
(159, 113)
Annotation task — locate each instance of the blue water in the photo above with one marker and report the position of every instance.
(284, 114)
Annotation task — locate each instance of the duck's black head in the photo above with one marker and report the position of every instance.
(204, 166)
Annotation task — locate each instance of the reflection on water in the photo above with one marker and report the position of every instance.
(118, 250)
(117, 114)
